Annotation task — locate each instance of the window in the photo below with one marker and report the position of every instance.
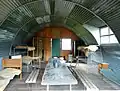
(66, 44)
(104, 31)
(107, 36)
(111, 31)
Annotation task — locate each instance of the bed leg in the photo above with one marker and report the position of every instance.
(21, 76)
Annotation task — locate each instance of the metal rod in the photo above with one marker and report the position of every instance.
(70, 87)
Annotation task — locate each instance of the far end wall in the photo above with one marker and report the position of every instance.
(49, 33)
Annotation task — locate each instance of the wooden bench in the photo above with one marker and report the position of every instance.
(86, 81)
(32, 77)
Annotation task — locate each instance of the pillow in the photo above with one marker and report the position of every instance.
(16, 57)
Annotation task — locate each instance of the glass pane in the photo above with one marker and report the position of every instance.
(105, 40)
(104, 31)
(111, 32)
(113, 39)
(66, 44)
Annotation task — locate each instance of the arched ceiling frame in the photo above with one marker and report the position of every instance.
(73, 1)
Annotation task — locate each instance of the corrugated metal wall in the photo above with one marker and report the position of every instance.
(111, 55)
(5, 48)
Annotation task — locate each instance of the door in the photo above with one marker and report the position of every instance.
(55, 47)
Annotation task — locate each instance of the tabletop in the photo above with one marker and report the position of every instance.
(57, 76)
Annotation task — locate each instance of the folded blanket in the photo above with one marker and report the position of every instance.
(3, 83)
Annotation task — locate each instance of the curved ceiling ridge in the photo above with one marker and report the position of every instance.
(30, 2)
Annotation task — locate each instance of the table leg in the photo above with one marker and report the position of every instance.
(32, 63)
(47, 87)
(27, 67)
(39, 63)
(70, 87)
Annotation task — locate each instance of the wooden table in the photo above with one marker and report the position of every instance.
(57, 76)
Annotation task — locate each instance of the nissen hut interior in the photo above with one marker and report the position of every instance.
(59, 45)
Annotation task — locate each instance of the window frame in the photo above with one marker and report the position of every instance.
(109, 34)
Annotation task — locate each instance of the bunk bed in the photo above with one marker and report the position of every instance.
(11, 67)
(26, 59)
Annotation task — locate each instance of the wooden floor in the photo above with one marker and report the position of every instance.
(20, 85)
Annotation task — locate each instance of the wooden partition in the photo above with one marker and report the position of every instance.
(47, 48)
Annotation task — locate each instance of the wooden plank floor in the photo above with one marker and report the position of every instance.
(20, 85)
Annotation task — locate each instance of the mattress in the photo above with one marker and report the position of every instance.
(27, 59)
(9, 73)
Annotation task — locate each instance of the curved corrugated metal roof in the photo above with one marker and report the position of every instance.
(18, 18)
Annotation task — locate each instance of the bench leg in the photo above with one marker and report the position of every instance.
(47, 87)
(70, 87)
(27, 67)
